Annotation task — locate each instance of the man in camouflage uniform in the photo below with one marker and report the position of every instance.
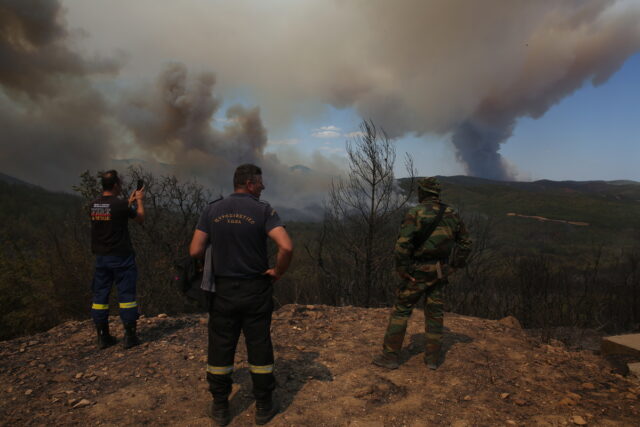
(424, 264)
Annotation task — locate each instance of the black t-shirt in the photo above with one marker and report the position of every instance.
(237, 227)
(109, 228)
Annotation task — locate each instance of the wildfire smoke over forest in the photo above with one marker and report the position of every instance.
(463, 70)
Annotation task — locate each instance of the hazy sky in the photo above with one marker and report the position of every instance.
(496, 88)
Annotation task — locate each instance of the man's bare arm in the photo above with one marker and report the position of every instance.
(198, 244)
(138, 197)
(285, 252)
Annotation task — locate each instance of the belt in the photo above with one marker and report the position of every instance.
(227, 279)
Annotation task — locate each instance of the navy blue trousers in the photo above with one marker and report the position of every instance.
(122, 271)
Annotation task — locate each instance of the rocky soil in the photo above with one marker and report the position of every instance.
(493, 373)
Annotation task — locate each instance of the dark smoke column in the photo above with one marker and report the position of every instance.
(477, 145)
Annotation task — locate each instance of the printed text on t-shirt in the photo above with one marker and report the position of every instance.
(101, 212)
(234, 218)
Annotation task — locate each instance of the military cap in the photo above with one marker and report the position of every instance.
(429, 185)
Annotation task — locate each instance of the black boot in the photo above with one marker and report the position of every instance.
(130, 337)
(104, 338)
(220, 412)
(265, 410)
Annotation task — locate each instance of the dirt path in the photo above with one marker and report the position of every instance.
(493, 374)
(541, 218)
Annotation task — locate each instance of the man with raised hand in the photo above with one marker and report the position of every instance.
(237, 228)
(115, 258)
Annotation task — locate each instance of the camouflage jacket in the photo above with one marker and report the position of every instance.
(449, 232)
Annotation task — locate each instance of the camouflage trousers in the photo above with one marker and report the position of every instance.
(407, 296)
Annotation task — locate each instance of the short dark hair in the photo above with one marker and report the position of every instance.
(245, 173)
(109, 179)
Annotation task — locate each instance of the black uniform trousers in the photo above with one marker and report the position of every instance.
(241, 305)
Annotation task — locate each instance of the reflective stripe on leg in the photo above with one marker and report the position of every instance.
(265, 369)
(100, 306)
(219, 370)
(131, 304)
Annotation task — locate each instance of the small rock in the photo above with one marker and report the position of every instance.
(33, 342)
(93, 378)
(574, 396)
(578, 420)
(202, 321)
(504, 395)
(82, 404)
(70, 402)
(511, 422)
(162, 316)
(588, 386)
(28, 392)
(511, 322)
(78, 375)
(520, 402)
(69, 391)
(467, 397)
(630, 396)
(567, 402)
(54, 400)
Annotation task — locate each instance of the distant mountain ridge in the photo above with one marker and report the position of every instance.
(595, 202)
(15, 181)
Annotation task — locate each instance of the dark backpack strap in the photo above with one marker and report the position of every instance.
(424, 236)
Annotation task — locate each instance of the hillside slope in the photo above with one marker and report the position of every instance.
(493, 374)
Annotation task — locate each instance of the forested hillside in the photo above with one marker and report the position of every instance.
(547, 273)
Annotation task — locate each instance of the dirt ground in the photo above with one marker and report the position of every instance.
(493, 373)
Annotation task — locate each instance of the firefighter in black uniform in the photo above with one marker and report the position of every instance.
(115, 258)
(237, 228)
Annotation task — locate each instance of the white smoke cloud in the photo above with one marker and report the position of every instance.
(460, 68)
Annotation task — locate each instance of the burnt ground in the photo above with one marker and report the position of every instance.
(493, 373)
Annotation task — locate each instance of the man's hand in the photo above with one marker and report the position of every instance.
(406, 276)
(273, 274)
(285, 251)
(137, 195)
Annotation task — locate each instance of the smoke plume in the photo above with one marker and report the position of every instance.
(50, 115)
(175, 123)
(462, 69)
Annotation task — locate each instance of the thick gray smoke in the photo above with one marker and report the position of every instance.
(461, 69)
(174, 121)
(50, 115)
(55, 123)
(472, 69)
(582, 41)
